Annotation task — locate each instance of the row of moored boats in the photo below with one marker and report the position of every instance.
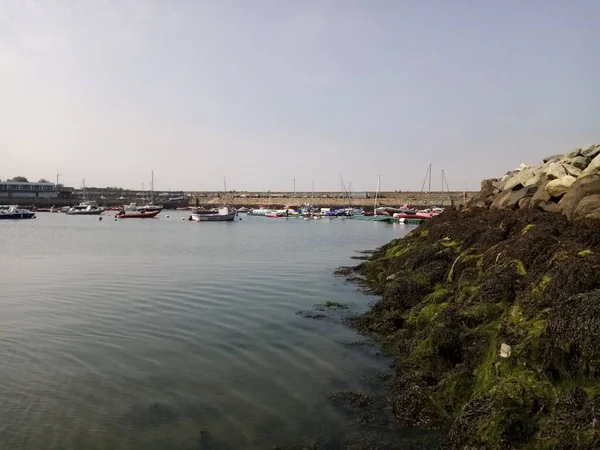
(225, 213)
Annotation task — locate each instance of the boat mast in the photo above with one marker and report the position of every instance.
(294, 188)
(377, 192)
(313, 191)
(442, 186)
(429, 187)
(152, 188)
(447, 188)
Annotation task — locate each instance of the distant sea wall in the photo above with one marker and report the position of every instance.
(387, 199)
(275, 201)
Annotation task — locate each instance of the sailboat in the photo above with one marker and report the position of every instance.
(151, 207)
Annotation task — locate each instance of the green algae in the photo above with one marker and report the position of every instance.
(521, 270)
(425, 314)
(503, 284)
(527, 228)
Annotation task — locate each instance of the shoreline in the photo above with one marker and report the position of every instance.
(493, 321)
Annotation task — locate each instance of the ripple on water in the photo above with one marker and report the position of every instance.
(139, 335)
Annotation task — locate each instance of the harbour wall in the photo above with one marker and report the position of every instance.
(274, 200)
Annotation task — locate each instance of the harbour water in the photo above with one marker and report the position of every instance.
(165, 334)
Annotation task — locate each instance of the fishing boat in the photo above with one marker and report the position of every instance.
(14, 212)
(136, 214)
(223, 214)
(85, 209)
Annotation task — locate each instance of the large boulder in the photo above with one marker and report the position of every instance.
(516, 196)
(593, 167)
(580, 162)
(588, 207)
(518, 180)
(540, 196)
(501, 200)
(555, 170)
(557, 188)
(584, 186)
(571, 170)
(552, 158)
(549, 207)
(487, 187)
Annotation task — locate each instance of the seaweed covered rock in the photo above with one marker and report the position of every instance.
(493, 319)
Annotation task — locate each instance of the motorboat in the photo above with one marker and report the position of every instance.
(134, 213)
(85, 208)
(259, 212)
(14, 212)
(243, 209)
(223, 214)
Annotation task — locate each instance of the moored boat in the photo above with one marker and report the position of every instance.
(136, 214)
(85, 209)
(14, 212)
(223, 214)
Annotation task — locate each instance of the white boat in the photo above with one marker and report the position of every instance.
(223, 214)
(13, 212)
(85, 209)
(260, 211)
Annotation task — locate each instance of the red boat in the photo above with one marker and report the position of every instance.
(136, 214)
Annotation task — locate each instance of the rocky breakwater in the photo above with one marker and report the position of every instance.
(493, 319)
(567, 184)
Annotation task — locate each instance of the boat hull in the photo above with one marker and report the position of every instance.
(214, 217)
(85, 213)
(140, 215)
(17, 216)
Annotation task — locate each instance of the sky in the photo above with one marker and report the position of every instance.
(263, 92)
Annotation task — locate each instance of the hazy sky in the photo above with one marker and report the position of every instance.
(268, 91)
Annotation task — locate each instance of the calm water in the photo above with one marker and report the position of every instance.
(139, 334)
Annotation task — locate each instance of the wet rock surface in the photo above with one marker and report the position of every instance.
(492, 317)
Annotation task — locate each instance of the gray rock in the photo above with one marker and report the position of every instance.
(549, 206)
(518, 180)
(581, 162)
(516, 196)
(571, 170)
(558, 188)
(591, 152)
(540, 196)
(588, 207)
(487, 187)
(592, 168)
(552, 158)
(584, 186)
(501, 200)
(555, 171)
(524, 202)
(574, 154)
(533, 181)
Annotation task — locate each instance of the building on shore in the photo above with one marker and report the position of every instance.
(18, 190)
